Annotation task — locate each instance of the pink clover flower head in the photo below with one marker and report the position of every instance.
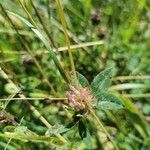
(85, 93)
(77, 97)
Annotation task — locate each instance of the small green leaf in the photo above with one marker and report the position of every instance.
(108, 101)
(82, 129)
(101, 82)
(82, 80)
(58, 129)
(21, 130)
(109, 105)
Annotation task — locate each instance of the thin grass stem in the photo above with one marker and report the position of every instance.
(61, 14)
(60, 49)
(141, 77)
(33, 98)
(44, 26)
(28, 14)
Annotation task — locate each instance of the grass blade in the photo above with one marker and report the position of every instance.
(45, 42)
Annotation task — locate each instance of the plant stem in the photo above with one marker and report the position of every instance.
(60, 49)
(101, 125)
(144, 95)
(141, 77)
(44, 26)
(34, 98)
(61, 14)
(28, 14)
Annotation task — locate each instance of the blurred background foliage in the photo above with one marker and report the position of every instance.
(124, 29)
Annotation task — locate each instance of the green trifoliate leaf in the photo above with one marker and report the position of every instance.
(82, 80)
(102, 81)
(109, 105)
(108, 101)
